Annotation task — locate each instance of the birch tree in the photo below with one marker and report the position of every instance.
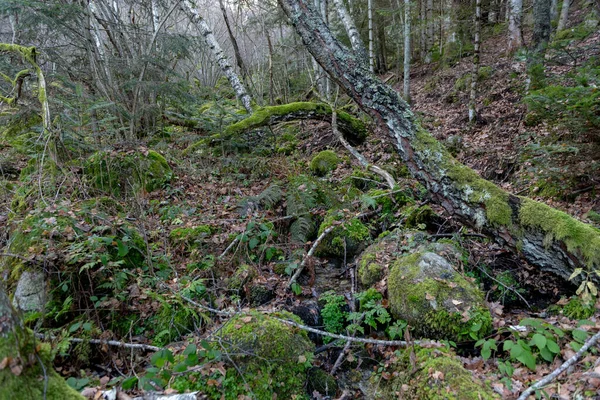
(355, 41)
(219, 55)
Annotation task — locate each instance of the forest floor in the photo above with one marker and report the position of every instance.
(217, 191)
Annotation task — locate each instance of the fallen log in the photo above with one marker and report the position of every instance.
(545, 237)
(352, 128)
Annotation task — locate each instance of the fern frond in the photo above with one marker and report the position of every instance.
(301, 229)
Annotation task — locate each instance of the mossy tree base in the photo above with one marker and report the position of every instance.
(545, 237)
(352, 128)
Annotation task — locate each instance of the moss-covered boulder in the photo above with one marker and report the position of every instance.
(270, 355)
(437, 375)
(119, 173)
(324, 162)
(426, 291)
(348, 238)
(375, 261)
(29, 373)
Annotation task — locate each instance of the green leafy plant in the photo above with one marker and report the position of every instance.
(333, 313)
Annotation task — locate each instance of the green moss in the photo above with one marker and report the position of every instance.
(30, 384)
(419, 215)
(369, 271)
(557, 225)
(440, 304)
(261, 117)
(240, 277)
(324, 162)
(322, 382)
(190, 235)
(268, 352)
(438, 375)
(119, 172)
(478, 190)
(346, 239)
(577, 309)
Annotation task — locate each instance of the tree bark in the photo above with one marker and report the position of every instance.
(475, 73)
(356, 42)
(219, 55)
(35, 378)
(564, 16)
(542, 26)
(545, 237)
(515, 35)
(371, 49)
(406, 85)
(236, 48)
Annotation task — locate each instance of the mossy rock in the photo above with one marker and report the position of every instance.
(324, 162)
(30, 383)
(438, 375)
(268, 353)
(432, 297)
(348, 238)
(119, 173)
(374, 262)
(242, 275)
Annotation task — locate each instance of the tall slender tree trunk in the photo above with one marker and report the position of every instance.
(430, 30)
(475, 73)
(554, 10)
(371, 44)
(236, 48)
(493, 12)
(564, 15)
(542, 27)
(219, 55)
(407, 50)
(515, 35)
(545, 237)
(355, 41)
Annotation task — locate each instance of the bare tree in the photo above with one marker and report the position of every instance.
(219, 55)
(406, 86)
(564, 15)
(515, 34)
(357, 44)
(475, 73)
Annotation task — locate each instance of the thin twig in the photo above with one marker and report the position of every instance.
(549, 378)
(107, 342)
(505, 285)
(224, 253)
(309, 254)
(399, 343)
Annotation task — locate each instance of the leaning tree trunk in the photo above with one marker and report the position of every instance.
(545, 237)
(219, 55)
(357, 44)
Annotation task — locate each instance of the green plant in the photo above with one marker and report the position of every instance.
(257, 238)
(333, 313)
(541, 340)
